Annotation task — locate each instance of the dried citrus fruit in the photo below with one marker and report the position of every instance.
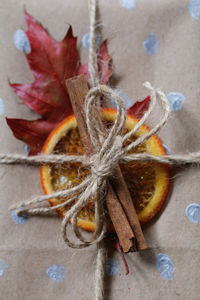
(147, 182)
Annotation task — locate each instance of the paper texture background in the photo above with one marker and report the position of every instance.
(30, 249)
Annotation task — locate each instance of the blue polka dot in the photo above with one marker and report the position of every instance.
(176, 100)
(165, 266)
(128, 4)
(194, 9)
(167, 150)
(1, 106)
(86, 41)
(21, 41)
(26, 149)
(127, 100)
(111, 266)
(3, 266)
(151, 43)
(192, 212)
(56, 273)
(18, 219)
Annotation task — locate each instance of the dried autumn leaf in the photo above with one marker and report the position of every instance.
(51, 63)
(33, 133)
(138, 108)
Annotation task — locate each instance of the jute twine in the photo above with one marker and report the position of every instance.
(109, 152)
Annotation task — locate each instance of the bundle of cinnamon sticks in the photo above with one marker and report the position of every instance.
(118, 200)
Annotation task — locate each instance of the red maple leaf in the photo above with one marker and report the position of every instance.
(138, 108)
(51, 63)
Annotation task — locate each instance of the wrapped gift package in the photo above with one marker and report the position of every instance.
(148, 40)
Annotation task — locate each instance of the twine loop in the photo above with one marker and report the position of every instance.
(108, 149)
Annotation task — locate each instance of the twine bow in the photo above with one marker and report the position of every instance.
(109, 151)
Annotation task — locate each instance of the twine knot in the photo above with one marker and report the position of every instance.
(103, 167)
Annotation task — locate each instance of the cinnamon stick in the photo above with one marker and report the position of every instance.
(121, 211)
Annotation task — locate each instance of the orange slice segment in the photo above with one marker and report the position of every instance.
(147, 182)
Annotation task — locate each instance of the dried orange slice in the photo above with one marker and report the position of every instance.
(147, 182)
